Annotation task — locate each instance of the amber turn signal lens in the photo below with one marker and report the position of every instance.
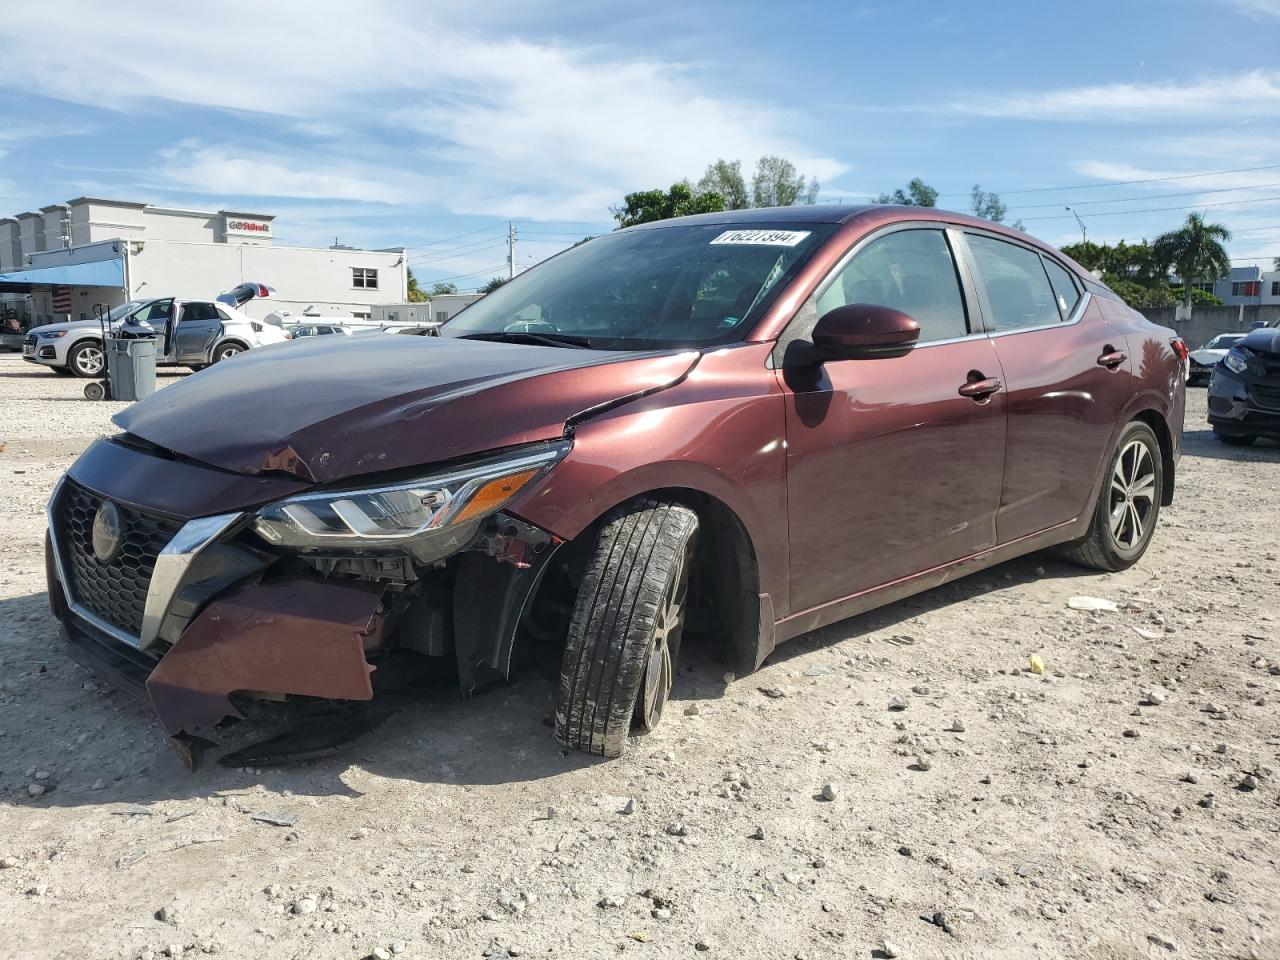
(494, 494)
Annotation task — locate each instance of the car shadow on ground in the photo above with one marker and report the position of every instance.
(1203, 443)
(56, 716)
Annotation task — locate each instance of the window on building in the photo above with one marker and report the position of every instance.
(1275, 288)
(1206, 286)
(1246, 288)
(358, 315)
(364, 278)
(442, 315)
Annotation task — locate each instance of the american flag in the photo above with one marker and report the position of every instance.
(61, 299)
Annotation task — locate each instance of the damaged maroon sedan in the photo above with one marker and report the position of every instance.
(739, 426)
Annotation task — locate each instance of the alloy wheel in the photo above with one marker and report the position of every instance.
(659, 672)
(89, 361)
(226, 352)
(1133, 493)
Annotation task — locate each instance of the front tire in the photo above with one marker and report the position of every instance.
(628, 620)
(1129, 506)
(87, 359)
(1235, 439)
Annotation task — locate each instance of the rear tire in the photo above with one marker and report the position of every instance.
(86, 359)
(1236, 439)
(624, 636)
(226, 351)
(1128, 507)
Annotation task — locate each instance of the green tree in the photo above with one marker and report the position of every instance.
(725, 178)
(987, 205)
(646, 206)
(1195, 251)
(416, 293)
(776, 183)
(440, 289)
(917, 194)
(493, 284)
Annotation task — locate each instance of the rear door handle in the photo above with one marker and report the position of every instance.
(981, 388)
(1111, 357)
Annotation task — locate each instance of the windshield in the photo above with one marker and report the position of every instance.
(1224, 341)
(670, 286)
(116, 313)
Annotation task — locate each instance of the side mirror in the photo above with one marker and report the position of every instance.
(864, 330)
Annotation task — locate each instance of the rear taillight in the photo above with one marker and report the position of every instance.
(263, 291)
(1180, 348)
(288, 336)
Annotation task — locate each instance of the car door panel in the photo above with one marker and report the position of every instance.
(198, 327)
(1063, 407)
(1067, 377)
(891, 470)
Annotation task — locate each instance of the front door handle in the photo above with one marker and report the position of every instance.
(980, 388)
(1111, 357)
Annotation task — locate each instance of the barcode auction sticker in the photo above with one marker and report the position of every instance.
(765, 238)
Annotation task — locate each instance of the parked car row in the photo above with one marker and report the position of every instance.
(1244, 391)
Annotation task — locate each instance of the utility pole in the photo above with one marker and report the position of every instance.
(1084, 234)
(511, 250)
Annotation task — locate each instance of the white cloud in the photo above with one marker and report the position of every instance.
(427, 108)
(224, 169)
(1258, 9)
(1255, 93)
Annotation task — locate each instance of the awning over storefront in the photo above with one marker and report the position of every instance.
(98, 273)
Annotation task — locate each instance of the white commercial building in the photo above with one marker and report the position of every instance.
(441, 307)
(59, 263)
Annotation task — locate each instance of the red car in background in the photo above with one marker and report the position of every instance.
(741, 426)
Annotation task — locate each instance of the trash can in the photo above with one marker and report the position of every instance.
(132, 366)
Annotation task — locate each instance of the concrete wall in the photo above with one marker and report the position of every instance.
(1206, 323)
(10, 246)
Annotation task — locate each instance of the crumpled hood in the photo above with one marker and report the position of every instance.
(323, 410)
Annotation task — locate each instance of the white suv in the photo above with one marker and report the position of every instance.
(192, 333)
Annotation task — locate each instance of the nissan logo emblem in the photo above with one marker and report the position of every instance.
(106, 532)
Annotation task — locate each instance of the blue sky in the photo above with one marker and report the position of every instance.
(430, 125)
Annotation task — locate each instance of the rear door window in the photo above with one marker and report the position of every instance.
(908, 270)
(1065, 290)
(198, 311)
(1018, 292)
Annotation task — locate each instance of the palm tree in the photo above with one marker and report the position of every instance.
(1195, 252)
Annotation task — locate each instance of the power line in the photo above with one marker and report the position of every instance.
(1127, 213)
(1158, 196)
(1126, 183)
(454, 251)
(463, 276)
(434, 243)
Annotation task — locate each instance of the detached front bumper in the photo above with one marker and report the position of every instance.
(1240, 407)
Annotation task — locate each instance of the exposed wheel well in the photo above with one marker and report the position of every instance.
(1156, 422)
(724, 586)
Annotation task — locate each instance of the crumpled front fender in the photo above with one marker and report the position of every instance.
(302, 636)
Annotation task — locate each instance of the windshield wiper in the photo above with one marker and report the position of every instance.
(525, 336)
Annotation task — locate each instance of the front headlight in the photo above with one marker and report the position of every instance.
(1236, 361)
(388, 516)
(57, 334)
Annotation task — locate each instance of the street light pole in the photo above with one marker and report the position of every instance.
(1084, 233)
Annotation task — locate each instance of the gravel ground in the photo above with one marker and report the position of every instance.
(1122, 804)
